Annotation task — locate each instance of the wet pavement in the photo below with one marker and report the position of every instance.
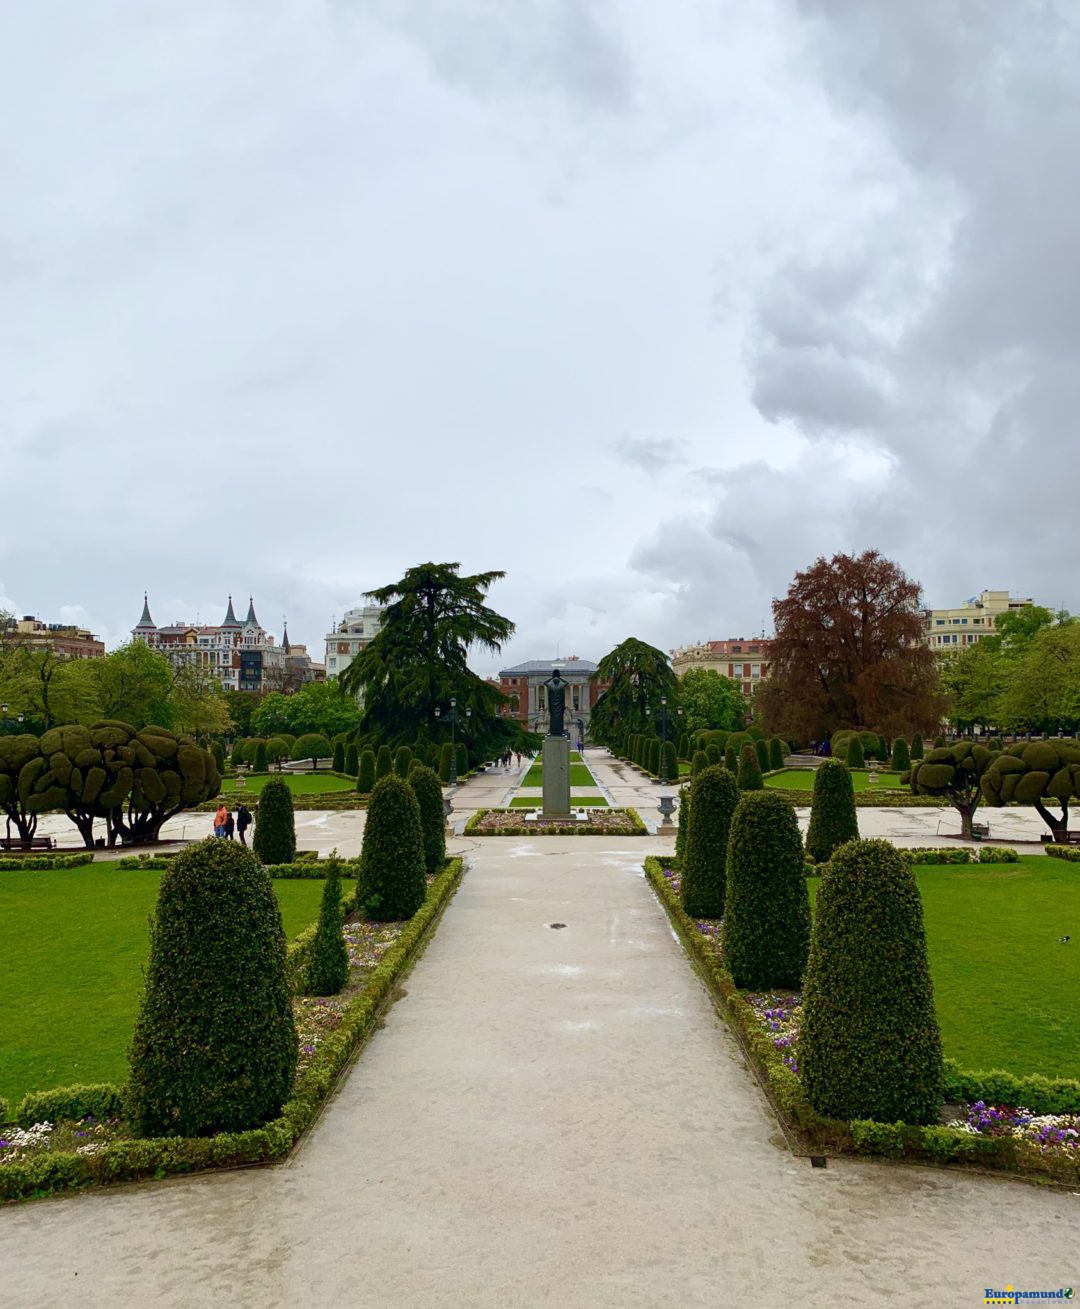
(550, 1116)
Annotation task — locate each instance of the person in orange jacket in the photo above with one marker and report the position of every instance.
(220, 819)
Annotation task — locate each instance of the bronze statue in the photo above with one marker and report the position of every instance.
(556, 697)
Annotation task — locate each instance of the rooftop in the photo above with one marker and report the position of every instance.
(569, 665)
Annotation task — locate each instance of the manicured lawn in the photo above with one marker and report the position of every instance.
(298, 783)
(802, 779)
(579, 776)
(73, 942)
(1007, 989)
(576, 802)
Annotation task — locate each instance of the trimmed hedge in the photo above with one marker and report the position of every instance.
(69, 1104)
(132, 1160)
(750, 778)
(462, 759)
(714, 795)
(328, 968)
(683, 830)
(870, 1045)
(215, 1044)
(352, 760)
(731, 759)
(714, 755)
(274, 841)
(365, 772)
(338, 763)
(765, 936)
(391, 885)
(855, 756)
(916, 746)
(901, 757)
(832, 811)
(1042, 1095)
(699, 763)
(762, 749)
(403, 757)
(429, 797)
(33, 863)
(777, 754)
(384, 763)
(669, 763)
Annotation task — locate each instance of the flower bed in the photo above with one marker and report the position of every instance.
(952, 855)
(600, 822)
(767, 1025)
(47, 1158)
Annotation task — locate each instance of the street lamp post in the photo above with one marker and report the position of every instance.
(664, 779)
(453, 739)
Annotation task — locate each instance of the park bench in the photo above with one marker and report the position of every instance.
(34, 843)
(980, 831)
(1071, 838)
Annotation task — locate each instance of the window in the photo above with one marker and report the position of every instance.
(940, 622)
(333, 662)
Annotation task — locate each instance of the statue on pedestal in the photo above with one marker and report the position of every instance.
(556, 698)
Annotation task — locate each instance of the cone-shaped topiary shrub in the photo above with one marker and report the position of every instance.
(218, 751)
(274, 841)
(901, 758)
(869, 1045)
(884, 749)
(669, 763)
(766, 929)
(762, 749)
(328, 968)
(215, 1043)
(731, 759)
(683, 748)
(699, 763)
(683, 830)
(713, 797)
(236, 755)
(714, 755)
(832, 813)
(391, 882)
(462, 759)
(352, 760)
(429, 797)
(776, 754)
(261, 763)
(446, 762)
(749, 769)
(917, 746)
(855, 756)
(403, 761)
(384, 763)
(939, 743)
(338, 762)
(365, 772)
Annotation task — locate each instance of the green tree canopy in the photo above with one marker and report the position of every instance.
(710, 700)
(956, 772)
(135, 685)
(638, 675)
(318, 707)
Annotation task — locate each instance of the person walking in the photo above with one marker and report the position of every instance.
(219, 820)
(230, 826)
(243, 822)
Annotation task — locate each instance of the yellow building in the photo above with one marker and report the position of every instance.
(953, 629)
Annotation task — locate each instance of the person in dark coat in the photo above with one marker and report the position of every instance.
(230, 827)
(243, 821)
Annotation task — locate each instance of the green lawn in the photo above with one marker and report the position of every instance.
(802, 779)
(73, 942)
(579, 776)
(576, 802)
(1007, 989)
(298, 783)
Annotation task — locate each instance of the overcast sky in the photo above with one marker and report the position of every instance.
(648, 304)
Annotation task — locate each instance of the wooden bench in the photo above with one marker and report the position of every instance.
(34, 843)
(979, 831)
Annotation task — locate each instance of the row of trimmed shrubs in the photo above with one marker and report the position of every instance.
(368, 766)
(869, 1045)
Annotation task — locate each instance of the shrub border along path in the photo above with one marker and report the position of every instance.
(135, 1159)
(808, 1133)
(632, 826)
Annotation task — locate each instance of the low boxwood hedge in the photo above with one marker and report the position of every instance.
(33, 863)
(1068, 852)
(131, 1160)
(815, 1134)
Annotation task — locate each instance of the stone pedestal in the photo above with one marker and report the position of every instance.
(556, 777)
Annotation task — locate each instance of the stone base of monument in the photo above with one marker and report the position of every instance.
(556, 779)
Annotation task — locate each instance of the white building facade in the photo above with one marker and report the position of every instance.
(355, 632)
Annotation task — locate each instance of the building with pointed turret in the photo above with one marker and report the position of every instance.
(242, 656)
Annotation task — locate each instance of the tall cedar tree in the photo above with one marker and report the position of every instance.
(870, 1045)
(848, 652)
(408, 674)
(274, 841)
(215, 1043)
(429, 797)
(328, 969)
(713, 797)
(765, 936)
(632, 677)
(391, 883)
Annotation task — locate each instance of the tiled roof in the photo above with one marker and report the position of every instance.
(531, 666)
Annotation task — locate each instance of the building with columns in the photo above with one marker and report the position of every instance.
(523, 685)
(242, 656)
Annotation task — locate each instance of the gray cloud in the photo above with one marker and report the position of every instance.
(652, 454)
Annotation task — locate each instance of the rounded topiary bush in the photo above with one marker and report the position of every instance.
(699, 763)
(714, 755)
(750, 778)
(218, 751)
(833, 820)
(328, 968)
(901, 756)
(313, 746)
(776, 754)
(277, 748)
(429, 797)
(352, 760)
(669, 762)
(215, 1043)
(994, 743)
(731, 759)
(403, 758)
(683, 830)
(714, 794)
(338, 762)
(274, 841)
(365, 772)
(384, 763)
(261, 762)
(855, 757)
(939, 743)
(762, 748)
(870, 1045)
(917, 749)
(446, 762)
(391, 881)
(766, 930)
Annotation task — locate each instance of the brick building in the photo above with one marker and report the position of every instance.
(524, 686)
(62, 638)
(743, 659)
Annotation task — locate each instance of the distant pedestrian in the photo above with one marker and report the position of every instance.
(220, 819)
(230, 826)
(243, 822)
(517, 757)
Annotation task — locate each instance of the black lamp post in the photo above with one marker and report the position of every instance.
(453, 738)
(664, 779)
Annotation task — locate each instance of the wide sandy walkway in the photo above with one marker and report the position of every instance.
(550, 1116)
